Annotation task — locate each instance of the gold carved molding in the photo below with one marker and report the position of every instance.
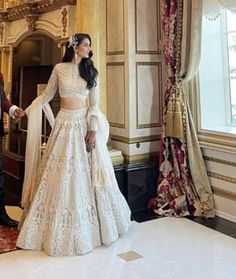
(31, 20)
(135, 140)
(5, 49)
(217, 141)
(30, 8)
(222, 177)
(218, 191)
(224, 193)
(1, 32)
(64, 20)
(221, 161)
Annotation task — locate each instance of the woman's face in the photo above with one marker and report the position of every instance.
(83, 48)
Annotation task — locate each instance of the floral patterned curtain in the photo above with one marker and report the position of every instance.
(176, 192)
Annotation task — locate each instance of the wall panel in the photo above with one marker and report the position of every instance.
(116, 94)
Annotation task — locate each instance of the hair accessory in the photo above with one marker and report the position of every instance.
(72, 41)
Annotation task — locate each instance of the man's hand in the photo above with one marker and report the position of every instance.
(19, 113)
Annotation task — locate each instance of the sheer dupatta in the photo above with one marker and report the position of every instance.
(33, 148)
(100, 157)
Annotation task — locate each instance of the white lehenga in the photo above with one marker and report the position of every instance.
(76, 204)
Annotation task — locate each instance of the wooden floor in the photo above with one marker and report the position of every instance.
(219, 224)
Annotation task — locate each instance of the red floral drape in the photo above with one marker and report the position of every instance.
(175, 194)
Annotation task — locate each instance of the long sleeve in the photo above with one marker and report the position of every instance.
(52, 87)
(6, 103)
(7, 106)
(94, 107)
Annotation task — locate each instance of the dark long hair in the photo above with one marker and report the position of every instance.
(86, 67)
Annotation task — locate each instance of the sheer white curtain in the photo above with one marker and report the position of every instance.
(212, 8)
(190, 58)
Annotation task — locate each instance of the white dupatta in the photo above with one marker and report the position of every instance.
(33, 147)
(100, 155)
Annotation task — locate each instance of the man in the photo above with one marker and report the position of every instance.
(16, 113)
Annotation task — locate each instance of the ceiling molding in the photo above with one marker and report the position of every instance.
(30, 8)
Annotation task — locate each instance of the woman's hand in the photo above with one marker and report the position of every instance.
(90, 140)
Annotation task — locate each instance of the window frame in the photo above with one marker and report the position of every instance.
(224, 140)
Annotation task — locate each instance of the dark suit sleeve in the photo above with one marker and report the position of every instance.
(6, 103)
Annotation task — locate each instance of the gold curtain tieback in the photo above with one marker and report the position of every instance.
(174, 115)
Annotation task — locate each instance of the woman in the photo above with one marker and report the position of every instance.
(73, 202)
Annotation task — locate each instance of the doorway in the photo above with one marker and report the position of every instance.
(36, 51)
(33, 61)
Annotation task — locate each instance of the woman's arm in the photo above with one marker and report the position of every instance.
(52, 86)
(93, 126)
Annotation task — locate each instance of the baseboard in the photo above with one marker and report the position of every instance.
(226, 216)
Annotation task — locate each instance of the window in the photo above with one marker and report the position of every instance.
(231, 40)
(218, 74)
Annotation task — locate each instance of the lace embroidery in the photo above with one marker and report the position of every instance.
(70, 215)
